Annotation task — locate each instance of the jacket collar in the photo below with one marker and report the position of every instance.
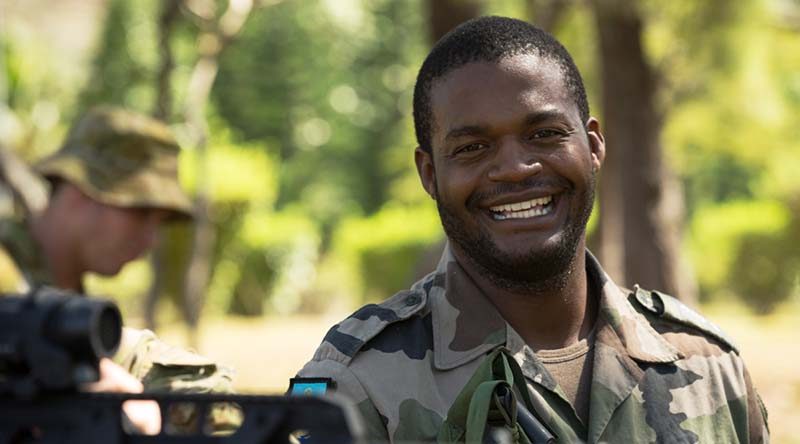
(466, 324)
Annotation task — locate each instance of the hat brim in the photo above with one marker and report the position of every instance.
(139, 189)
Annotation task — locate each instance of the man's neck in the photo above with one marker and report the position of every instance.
(59, 258)
(545, 316)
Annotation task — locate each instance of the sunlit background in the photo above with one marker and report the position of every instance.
(295, 119)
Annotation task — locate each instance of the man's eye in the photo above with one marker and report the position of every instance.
(546, 133)
(472, 147)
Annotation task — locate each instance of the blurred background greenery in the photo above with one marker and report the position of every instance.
(295, 118)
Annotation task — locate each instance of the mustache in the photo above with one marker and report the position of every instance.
(515, 187)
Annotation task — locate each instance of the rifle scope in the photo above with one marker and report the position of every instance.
(55, 339)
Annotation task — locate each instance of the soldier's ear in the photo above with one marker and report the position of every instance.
(425, 170)
(597, 143)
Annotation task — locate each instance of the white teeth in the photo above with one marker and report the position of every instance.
(521, 210)
(517, 206)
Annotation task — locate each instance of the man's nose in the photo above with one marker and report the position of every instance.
(514, 162)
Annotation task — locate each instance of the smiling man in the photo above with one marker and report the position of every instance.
(509, 152)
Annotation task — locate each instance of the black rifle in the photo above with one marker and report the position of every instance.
(52, 341)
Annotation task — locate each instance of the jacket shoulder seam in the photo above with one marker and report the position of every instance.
(672, 310)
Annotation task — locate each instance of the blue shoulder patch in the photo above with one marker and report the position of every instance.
(310, 386)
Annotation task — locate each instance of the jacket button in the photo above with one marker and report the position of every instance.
(412, 300)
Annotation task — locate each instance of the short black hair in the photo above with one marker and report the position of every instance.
(489, 39)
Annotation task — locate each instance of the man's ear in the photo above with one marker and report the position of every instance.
(597, 143)
(427, 174)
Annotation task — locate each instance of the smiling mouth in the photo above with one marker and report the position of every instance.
(523, 210)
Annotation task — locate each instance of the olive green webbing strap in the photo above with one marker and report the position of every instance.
(478, 402)
(516, 378)
(483, 400)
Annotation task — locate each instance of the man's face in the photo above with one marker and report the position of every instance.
(115, 236)
(512, 167)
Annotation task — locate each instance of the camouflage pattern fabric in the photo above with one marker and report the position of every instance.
(19, 252)
(165, 368)
(121, 158)
(662, 373)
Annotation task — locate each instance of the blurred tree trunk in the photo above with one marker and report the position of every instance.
(170, 14)
(444, 15)
(547, 14)
(215, 35)
(641, 203)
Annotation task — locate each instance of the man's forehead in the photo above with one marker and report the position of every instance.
(538, 82)
(525, 65)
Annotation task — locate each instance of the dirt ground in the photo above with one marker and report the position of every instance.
(266, 352)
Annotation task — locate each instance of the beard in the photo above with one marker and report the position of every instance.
(531, 271)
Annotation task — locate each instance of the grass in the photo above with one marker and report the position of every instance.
(266, 352)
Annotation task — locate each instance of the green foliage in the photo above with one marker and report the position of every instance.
(247, 258)
(730, 134)
(267, 257)
(235, 173)
(765, 269)
(386, 248)
(34, 92)
(329, 86)
(123, 70)
(574, 32)
(717, 231)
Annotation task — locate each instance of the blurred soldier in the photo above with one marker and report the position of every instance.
(112, 184)
(509, 152)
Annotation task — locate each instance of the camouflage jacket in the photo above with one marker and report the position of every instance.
(661, 373)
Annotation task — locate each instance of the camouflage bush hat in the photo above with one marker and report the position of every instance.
(121, 158)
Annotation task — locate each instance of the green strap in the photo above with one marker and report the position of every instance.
(477, 404)
(482, 400)
(517, 380)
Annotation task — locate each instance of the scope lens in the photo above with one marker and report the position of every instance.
(109, 330)
(88, 327)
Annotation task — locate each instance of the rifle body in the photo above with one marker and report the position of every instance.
(97, 418)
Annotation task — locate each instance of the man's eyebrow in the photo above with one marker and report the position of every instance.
(466, 130)
(544, 116)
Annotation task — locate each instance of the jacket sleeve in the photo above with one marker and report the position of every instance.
(372, 425)
(165, 368)
(756, 414)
